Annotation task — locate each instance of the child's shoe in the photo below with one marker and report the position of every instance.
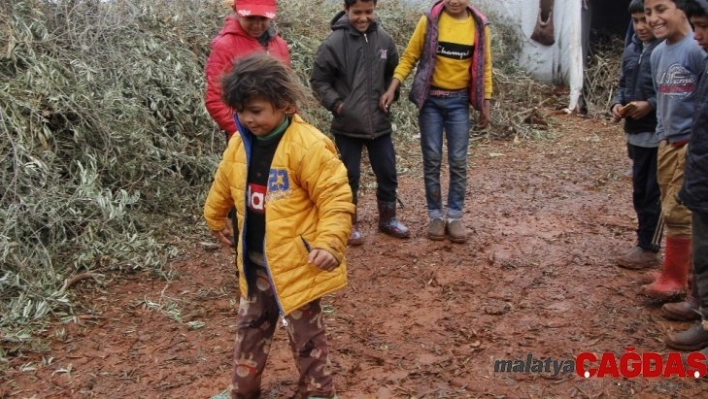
(436, 229)
(693, 339)
(356, 238)
(456, 231)
(222, 395)
(388, 223)
(638, 258)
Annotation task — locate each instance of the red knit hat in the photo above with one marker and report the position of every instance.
(255, 8)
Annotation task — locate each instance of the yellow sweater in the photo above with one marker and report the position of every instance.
(454, 54)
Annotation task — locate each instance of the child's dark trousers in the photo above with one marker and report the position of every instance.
(700, 259)
(646, 196)
(382, 158)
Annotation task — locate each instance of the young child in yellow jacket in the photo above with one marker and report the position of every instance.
(294, 211)
(451, 45)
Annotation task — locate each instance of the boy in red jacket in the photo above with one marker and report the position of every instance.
(248, 31)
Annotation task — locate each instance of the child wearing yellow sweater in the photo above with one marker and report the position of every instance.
(451, 45)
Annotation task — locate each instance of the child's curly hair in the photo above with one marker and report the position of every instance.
(261, 76)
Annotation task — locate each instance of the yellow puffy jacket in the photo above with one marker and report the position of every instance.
(308, 205)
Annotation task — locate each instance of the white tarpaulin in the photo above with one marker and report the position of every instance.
(559, 63)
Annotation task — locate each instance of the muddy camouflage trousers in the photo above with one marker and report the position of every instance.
(255, 325)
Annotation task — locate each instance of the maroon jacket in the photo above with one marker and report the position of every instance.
(228, 46)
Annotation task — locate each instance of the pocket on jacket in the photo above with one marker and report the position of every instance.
(343, 121)
(343, 110)
(305, 244)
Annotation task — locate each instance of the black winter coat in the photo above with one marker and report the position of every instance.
(694, 193)
(637, 84)
(355, 69)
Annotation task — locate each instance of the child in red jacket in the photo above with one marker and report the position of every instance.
(248, 31)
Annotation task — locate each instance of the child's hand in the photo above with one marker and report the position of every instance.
(616, 116)
(641, 109)
(224, 237)
(323, 259)
(389, 95)
(483, 122)
(387, 99)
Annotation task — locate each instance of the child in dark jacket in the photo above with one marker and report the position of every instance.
(353, 67)
(694, 194)
(636, 103)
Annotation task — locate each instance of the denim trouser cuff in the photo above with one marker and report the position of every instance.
(436, 213)
(454, 214)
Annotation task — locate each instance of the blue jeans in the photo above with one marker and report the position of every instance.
(451, 113)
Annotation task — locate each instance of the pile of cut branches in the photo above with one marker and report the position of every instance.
(103, 132)
(602, 75)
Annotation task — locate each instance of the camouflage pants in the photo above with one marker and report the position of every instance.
(255, 324)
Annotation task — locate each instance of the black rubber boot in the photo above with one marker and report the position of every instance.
(388, 224)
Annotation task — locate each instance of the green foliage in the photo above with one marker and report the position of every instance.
(103, 126)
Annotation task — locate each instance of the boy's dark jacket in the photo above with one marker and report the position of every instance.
(694, 193)
(355, 69)
(636, 84)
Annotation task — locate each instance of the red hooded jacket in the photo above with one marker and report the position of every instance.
(229, 45)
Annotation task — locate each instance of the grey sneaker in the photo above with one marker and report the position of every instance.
(456, 231)
(436, 229)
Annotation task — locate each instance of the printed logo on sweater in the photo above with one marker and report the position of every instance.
(256, 197)
(278, 180)
(383, 53)
(278, 184)
(455, 50)
(677, 81)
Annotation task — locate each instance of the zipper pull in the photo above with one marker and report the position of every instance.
(366, 38)
(641, 54)
(284, 321)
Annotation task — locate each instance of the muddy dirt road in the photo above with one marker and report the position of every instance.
(420, 319)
